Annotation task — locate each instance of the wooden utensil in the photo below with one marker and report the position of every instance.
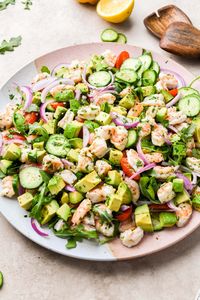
(182, 39)
(158, 22)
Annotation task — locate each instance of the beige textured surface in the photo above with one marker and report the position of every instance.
(35, 273)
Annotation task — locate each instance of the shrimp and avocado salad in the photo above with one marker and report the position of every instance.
(103, 149)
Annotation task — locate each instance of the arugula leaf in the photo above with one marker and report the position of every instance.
(5, 3)
(187, 133)
(2, 175)
(45, 176)
(19, 122)
(77, 233)
(178, 152)
(10, 45)
(39, 201)
(45, 69)
(36, 128)
(27, 4)
(148, 187)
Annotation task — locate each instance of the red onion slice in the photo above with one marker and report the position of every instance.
(86, 136)
(180, 79)
(70, 188)
(194, 178)
(172, 128)
(174, 101)
(167, 141)
(28, 96)
(77, 94)
(59, 66)
(54, 84)
(140, 152)
(124, 207)
(118, 122)
(66, 162)
(36, 229)
(42, 84)
(187, 183)
(172, 206)
(42, 110)
(146, 168)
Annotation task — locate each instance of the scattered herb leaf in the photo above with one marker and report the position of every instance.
(5, 3)
(10, 45)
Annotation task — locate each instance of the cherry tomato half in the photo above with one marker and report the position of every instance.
(31, 117)
(124, 55)
(127, 168)
(56, 104)
(173, 92)
(14, 136)
(123, 216)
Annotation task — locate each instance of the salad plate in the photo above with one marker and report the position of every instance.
(89, 250)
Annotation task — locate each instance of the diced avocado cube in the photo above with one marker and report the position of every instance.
(197, 129)
(37, 98)
(74, 105)
(156, 222)
(25, 200)
(132, 138)
(148, 90)
(76, 143)
(59, 113)
(125, 193)
(143, 218)
(91, 125)
(181, 197)
(40, 155)
(49, 211)
(64, 212)
(82, 87)
(119, 110)
(114, 178)
(103, 118)
(56, 184)
(73, 155)
(161, 114)
(4, 165)
(115, 157)
(12, 152)
(64, 198)
(167, 96)
(64, 95)
(75, 197)
(128, 101)
(167, 219)
(73, 129)
(50, 126)
(114, 202)
(38, 146)
(196, 202)
(178, 185)
(32, 155)
(88, 182)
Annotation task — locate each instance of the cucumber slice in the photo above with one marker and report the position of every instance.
(132, 138)
(149, 77)
(155, 66)
(109, 35)
(122, 39)
(30, 178)
(57, 145)
(131, 64)
(15, 183)
(126, 75)
(185, 91)
(99, 79)
(146, 61)
(190, 105)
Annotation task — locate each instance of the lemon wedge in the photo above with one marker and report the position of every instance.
(115, 11)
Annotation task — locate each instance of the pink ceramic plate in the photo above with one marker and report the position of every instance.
(88, 249)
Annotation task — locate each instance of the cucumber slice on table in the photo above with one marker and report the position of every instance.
(109, 35)
(185, 91)
(30, 178)
(122, 39)
(128, 76)
(57, 145)
(131, 64)
(99, 79)
(190, 105)
(149, 77)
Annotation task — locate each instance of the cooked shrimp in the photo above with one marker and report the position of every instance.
(24, 154)
(89, 112)
(193, 163)
(85, 161)
(102, 167)
(6, 119)
(168, 81)
(105, 228)
(163, 172)
(67, 119)
(39, 77)
(150, 115)
(109, 58)
(190, 146)
(183, 214)
(7, 187)
(181, 126)
(134, 187)
(58, 89)
(127, 224)
(119, 137)
(131, 237)
(154, 100)
(134, 160)
(154, 157)
(89, 219)
(158, 135)
(104, 98)
(51, 163)
(175, 117)
(105, 131)
(144, 129)
(136, 110)
(84, 207)
(99, 147)
(68, 176)
(100, 194)
(165, 192)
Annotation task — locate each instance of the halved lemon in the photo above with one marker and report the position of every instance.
(115, 11)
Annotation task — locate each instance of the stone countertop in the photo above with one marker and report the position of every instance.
(33, 273)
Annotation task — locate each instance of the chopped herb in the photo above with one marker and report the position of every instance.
(45, 69)
(5, 3)
(27, 4)
(11, 96)
(10, 45)
(1, 279)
